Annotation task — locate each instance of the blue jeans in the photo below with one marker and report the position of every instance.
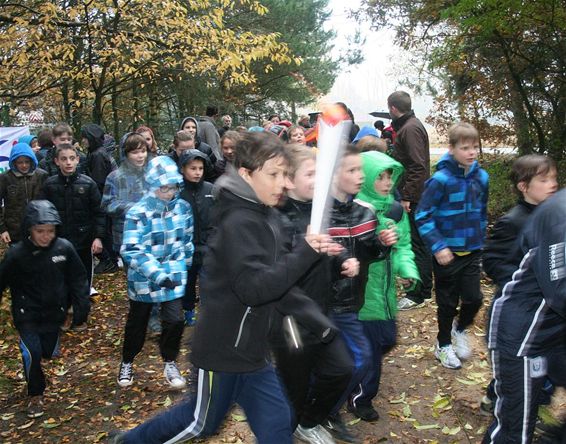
(382, 338)
(35, 345)
(352, 332)
(258, 393)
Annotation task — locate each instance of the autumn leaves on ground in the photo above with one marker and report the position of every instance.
(419, 400)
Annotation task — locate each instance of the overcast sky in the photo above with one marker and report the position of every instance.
(366, 86)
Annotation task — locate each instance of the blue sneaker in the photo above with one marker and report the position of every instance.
(190, 318)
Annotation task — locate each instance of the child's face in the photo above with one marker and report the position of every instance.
(138, 156)
(193, 170)
(23, 164)
(42, 235)
(184, 146)
(228, 149)
(167, 192)
(383, 184)
(465, 152)
(540, 188)
(297, 136)
(35, 145)
(148, 139)
(190, 127)
(349, 177)
(62, 138)
(303, 183)
(67, 161)
(269, 181)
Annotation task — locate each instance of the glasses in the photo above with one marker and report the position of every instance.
(167, 188)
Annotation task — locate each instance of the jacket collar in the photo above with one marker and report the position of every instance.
(400, 121)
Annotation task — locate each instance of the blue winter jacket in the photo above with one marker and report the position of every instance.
(158, 236)
(452, 212)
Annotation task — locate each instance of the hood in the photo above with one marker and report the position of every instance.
(193, 154)
(121, 151)
(185, 121)
(109, 143)
(447, 162)
(365, 131)
(94, 134)
(373, 164)
(256, 129)
(233, 182)
(27, 139)
(40, 212)
(22, 149)
(162, 170)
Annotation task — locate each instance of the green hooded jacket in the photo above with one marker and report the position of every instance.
(381, 293)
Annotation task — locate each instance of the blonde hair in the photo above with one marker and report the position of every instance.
(298, 154)
(462, 131)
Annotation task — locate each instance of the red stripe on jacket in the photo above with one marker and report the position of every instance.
(357, 230)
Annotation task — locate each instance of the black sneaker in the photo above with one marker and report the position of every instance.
(106, 266)
(338, 429)
(364, 412)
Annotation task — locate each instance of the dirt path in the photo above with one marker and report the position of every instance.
(419, 401)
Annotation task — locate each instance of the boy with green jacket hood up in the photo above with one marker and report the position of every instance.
(378, 313)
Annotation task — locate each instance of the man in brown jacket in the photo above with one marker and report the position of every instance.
(412, 150)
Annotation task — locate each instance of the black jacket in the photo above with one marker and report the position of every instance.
(99, 162)
(317, 280)
(199, 195)
(77, 199)
(42, 303)
(249, 276)
(529, 319)
(353, 226)
(502, 255)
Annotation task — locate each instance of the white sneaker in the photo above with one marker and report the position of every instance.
(408, 304)
(126, 374)
(447, 357)
(93, 291)
(314, 435)
(461, 343)
(173, 376)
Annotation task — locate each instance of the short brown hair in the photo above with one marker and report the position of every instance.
(234, 136)
(297, 155)
(45, 138)
(372, 143)
(462, 131)
(62, 128)
(400, 100)
(525, 168)
(182, 136)
(65, 146)
(133, 142)
(256, 148)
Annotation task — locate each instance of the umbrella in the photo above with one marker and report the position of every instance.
(382, 114)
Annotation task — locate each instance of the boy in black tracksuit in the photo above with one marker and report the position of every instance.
(250, 276)
(77, 199)
(527, 334)
(39, 304)
(198, 192)
(534, 180)
(354, 227)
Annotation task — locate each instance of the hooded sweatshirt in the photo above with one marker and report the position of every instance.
(158, 238)
(99, 162)
(250, 274)
(17, 190)
(41, 304)
(199, 145)
(365, 131)
(124, 187)
(380, 291)
(452, 212)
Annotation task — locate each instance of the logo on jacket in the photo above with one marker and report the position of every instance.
(557, 261)
(81, 190)
(57, 259)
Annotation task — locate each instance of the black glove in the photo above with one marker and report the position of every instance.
(169, 284)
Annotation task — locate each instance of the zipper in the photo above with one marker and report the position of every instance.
(388, 274)
(242, 322)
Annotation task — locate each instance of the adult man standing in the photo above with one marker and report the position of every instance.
(207, 130)
(411, 148)
(226, 125)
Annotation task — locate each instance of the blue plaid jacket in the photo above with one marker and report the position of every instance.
(157, 242)
(452, 212)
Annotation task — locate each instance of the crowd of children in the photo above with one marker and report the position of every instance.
(292, 326)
